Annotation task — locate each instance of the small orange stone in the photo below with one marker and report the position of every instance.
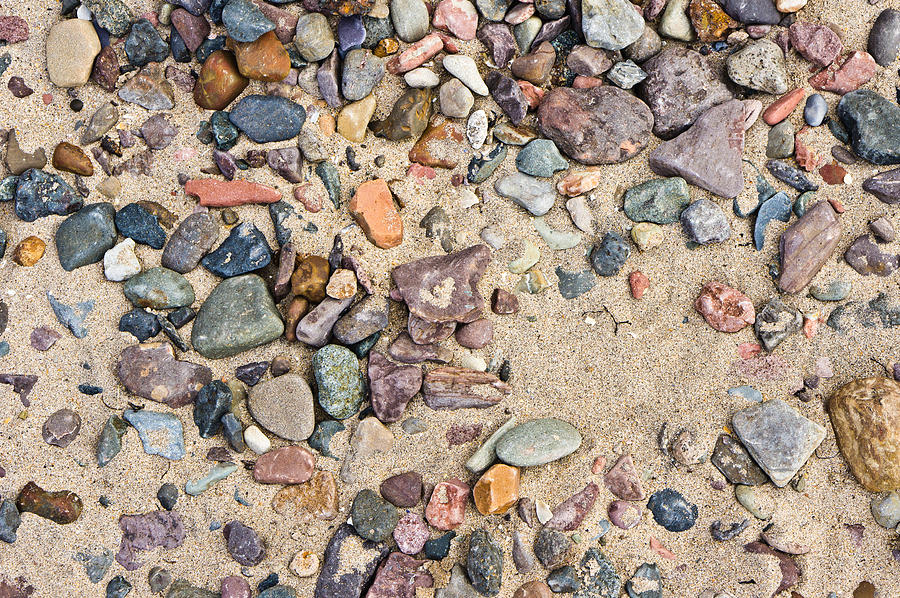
(710, 21)
(220, 81)
(497, 490)
(262, 60)
(373, 207)
(71, 158)
(296, 309)
(327, 124)
(226, 194)
(781, 108)
(29, 251)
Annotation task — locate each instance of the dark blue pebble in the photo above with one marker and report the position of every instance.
(438, 548)
(135, 222)
(179, 49)
(321, 436)
(268, 118)
(118, 587)
(362, 348)
(271, 580)
(167, 495)
(609, 256)
(39, 194)
(209, 46)
(672, 511)
(212, 402)
(224, 133)
(182, 316)
(251, 373)
(564, 580)
(245, 250)
(89, 389)
(280, 211)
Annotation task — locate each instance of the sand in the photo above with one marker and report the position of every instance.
(663, 366)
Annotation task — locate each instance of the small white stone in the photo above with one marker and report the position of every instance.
(790, 5)
(83, 12)
(304, 564)
(579, 212)
(120, 263)
(544, 514)
(493, 236)
(476, 129)
(464, 68)
(473, 362)
(421, 78)
(258, 442)
(467, 198)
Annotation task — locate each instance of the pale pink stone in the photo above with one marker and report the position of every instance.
(446, 509)
(724, 308)
(459, 17)
(424, 49)
(411, 533)
(185, 153)
(519, 13)
(846, 75)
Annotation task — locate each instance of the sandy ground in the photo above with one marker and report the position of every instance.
(664, 366)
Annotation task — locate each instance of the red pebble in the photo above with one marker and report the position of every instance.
(532, 93)
(312, 204)
(836, 205)
(47, 98)
(846, 75)
(833, 173)
(422, 172)
(639, 283)
(582, 82)
(749, 350)
(226, 194)
(599, 465)
(725, 309)
(781, 108)
(807, 159)
(446, 509)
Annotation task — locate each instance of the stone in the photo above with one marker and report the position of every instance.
(411, 533)
(885, 510)
(540, 158)
(402, 490)
(725, 309)
(537, 442)
(675, 23)
(19, 160)
(464, 68)
(310, 278)
(71, 47)
(39, 194)
(866, 258)
(446, 507)
(778, 438)
(112, 15)
(732, 459)
(535, 66)
(709, 20)
(313, 39)
(267, 118)
(314, 329)
(817, 43)
(70, 158)
(484, 563)
(459, 17)
(598, 576)
(140, 323)
(355, 117)
(218, 472)
(134, 222)
(499, 41)
(410, 19)
(623, 480)
(160, 433)
(110, 441)
(373, 207)
(149, 90)
(193, 238)
(341, 387)
(451, 387)
(497, 490)
(610, 24)
(220, 81)
(9, 521)
(62, 507)
(885, 186)
(753, 12)
(847, 74)
(192, 29)
(244, 21)
(42, 338)
(626, 74)
(29, 251)
(159, 288)
(316, 498)
(781, 108)
(283, 407)
(608, 257)
(884, 37)
(422, 77)
(244, 250)
(672, 511)
(475, 335)
(709, 153)
(144, 44)
(569, 514)
(101, 121)
(398, 576)
(781, 141)
(212, 403)
(508, 95)
(238, 315)
(458, 586)
(391, 386)
(244, 544)
(759, 65)
(151, 371)
(601, 125)
(870, 121)
(61, 428)
(348, 565)
(775, 322)
(645, 583)
(416, 54)
(806, 245)
(789, 175)
(285, 465)
(777, 207)
(657, 200)
(362, 71)
(373, 517)
(264, 59)
(883, 229)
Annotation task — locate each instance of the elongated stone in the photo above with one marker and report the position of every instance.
(806, 245)
(60, 507)
(151, 371)
(451, 387)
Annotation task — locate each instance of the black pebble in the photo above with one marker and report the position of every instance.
(141, 323)
(182, 316)
(438, 548)
(271, 580)
(89, 389)
(167, 495)
(76, 105)
(251, 373)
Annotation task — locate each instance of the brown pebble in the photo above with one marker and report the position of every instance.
(60, 507)
(29, 251)
(310, 278)
(296, 309)
(403, 490)
(475, 335)
(504, 302)
(281, 365)
(71, 158)
(61, 428)
(18, 87)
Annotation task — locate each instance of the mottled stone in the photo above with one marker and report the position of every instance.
(151, 371)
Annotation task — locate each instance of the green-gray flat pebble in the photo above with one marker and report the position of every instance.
(341, 387)
(836, 290)
(886, 510)
(159, 288)
(482, 458)
(237, 316)
(86, 235)
(540, 158)
(660, 201)
(781, 140)
(218, 472)
(537, 442)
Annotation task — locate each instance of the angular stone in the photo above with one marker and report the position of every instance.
(151, 371)
(846, 75)
(373, 207)
(451, 387)
(148, 89)
(263, 59)
(398, 576)
(238, 315)
(161, 433)
(759, 65)
(623, 480)
(570, 513)
(285, 465)
(732, 459)
(447, 506)
(657, 200)
(601, 125)
(348, 565)
(219, 82)
(156, 529)
(708, 154)
(497, 490)
(391, 386)
(778, 438)
(193, 238)
(873, 123)
(704, 222)
(680, 86)
(866, 258)
(85, 236)
(885, 186)
(610, 24)
(365, 318)
(499, 41)
(817, 43)
(40, 194)
(244, 250)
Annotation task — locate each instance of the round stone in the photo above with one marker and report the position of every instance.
(284, 406)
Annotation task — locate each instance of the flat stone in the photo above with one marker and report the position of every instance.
(608, 257)
(499, 41)
(40, 194)
(569, 514)
(373, 517)
(285, 465)
(61, 428)
(373, 207)
(885, 186)
(244, 544)
(84, 237)
(160, 433)
(778, 438)
(753, 12)
(284, 406)
(732, 459)
(806, 245)
(268, 118)
(398, 576)
(341, 387)
(873, 123)
(601, 125)
(362, 71)
(704, 222)
(71, 47)
(238, 315)
(533, 194)
(657, 200)
(537, 442)
(391, 386)
(151, 371)
(759, 65)
(348, 565)
(314, 329)
(408, 117)
(148, 89)
(866, 258)
(672, 510)
(847, 74)
(598, 576)
(484, 563)
(159, 288)
(193, 238)
(244, 250)
(610, 24)
(402, 490)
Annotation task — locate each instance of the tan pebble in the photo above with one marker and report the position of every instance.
(304, 564)
(110, 187)
(71, 48)
(544, 514)
(647, 235)
(342, 284)
(29, 251)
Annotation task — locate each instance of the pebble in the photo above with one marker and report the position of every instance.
(40, 194)
(244, 21)
(645, 583)
(672, 510)
(884, 37)
(724, 308)
(422, 77)
(552, 548)
(42, 338)
(193, 238)
(159, 579)
(883, 229)
(408, 117)
(411, 533)
(354, 118)
(285, 465)
(817, 43)
(777, 207)
(732, 459)
(778, 438)
(846, 75)
(62, 507)
(410, 19)
(540, 158)
(70, 317)
(535, 66)
(167, 495)
(140, 323)
(535, 195)
(658, 200)
(373, 517)
(343, 578)
(647, 235)
(705, 223)
(497, 490)
(484, 563)
(871, 121)
(244, 250)
(598, 576)
(112, 15)
(362, 71)
(789, 175)
(391, 386)
(866, 258)
(118, 587)
(71, 47)
(216, 334)
(836, 290)
(149, 90)
(159, 288)
(341, 387)
(885, 186)
(284, 407)
(68, 158)
(537, 442)
(459, 17)
(709, 153)
(9, 521)
(110, 441)
(160, 433)
(569, 514)
(314, 38)
(753, 12)
(610, 24)
(626, 74)
(264, 59)
(608, 257)
(806, 245)
(885, 510)
(135, 222)
(499, 41)
(219, 82)
(781, 108)
(675, 23)
(600, 125)
(243, 543)
(19, 160)
(373, 207)
(144, 44)
(267, 118)
(780, 141)
(854, 422)
(101, 121)
(217, 473)
(29, 251)
(212, 403)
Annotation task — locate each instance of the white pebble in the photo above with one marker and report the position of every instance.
(83, 12)
(258, 442)
(120, 263)
(304, 564)
(476, 129)
(473, 362)
(467, 198)
(421, 78)
(544, 514)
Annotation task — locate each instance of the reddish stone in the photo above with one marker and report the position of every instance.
(569, 514)
(311, 201)
(749, 350)
(459, 17)
(157, 529)
(47, 98)
(220, 81)
(416, 54)
(60, 507)
(13, 29)
(624, 514)
(847, 75)
(598, 465)
(151, 371)
(817, 43)
(623, 480)
(639, 283)
(373, 207)
(582, 82)
(399, 576)
(286, 465)
(833, 173)
(214, 193)
(807, 159)
(422, 151)
(193, 29)
(806, 245)
(402, 490)
(724, 308)
(450, 46)
(579, 182)
(285, 22)
(781, 108)
(262, 60)
(106, 69)
(475, 335)
(836, 205)
(532, 93)
(447, 508)
(421, 172)
(504, 302)
(411, 533)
